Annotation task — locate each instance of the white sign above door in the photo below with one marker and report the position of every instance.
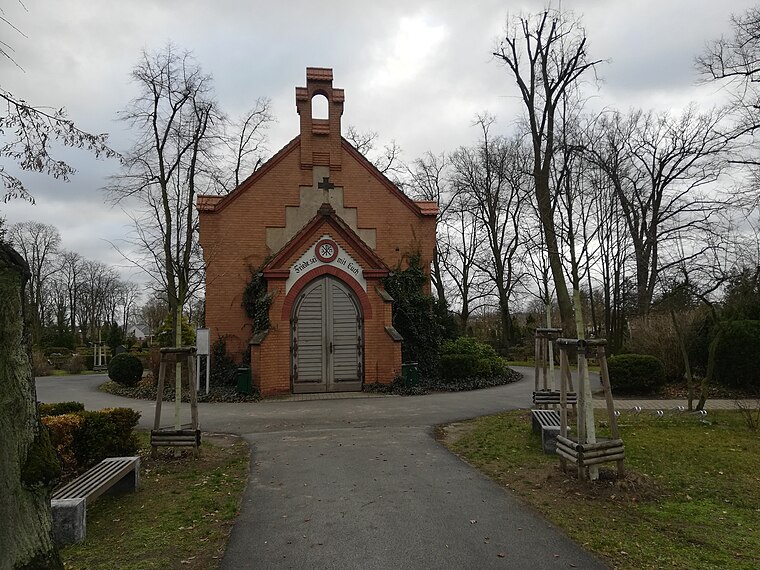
(325, 251)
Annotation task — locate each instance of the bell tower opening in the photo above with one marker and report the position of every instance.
(319, 107)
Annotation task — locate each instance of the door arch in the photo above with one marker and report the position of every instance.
(326, 338)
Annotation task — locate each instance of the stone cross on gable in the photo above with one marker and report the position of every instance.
(326, 186)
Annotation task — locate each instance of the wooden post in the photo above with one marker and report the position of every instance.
(193, 396)
(537, 363)
(604, 374)
(563, 368)
(177, 437)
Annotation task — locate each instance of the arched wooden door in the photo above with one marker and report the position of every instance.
(326, 338)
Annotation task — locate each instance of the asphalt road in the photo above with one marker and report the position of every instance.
(362, 483)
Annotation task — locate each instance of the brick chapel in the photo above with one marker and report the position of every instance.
(324, 227)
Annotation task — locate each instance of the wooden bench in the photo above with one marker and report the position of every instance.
(552, 398)
(546, 422)
(69, 502)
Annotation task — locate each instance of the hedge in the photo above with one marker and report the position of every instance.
(635, 373)
(736, 355)
(467, 358)
(60, 408)
(82, 438)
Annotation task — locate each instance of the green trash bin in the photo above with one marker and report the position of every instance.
(243, 378)
(410, 374)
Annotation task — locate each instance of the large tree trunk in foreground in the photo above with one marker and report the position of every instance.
(27, 462)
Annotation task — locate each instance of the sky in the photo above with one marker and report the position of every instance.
(415, 72)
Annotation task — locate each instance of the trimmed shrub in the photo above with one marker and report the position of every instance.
(635, 373)
(106, 433)
(83, 438)
(467, 358)
(736, 355)
(60, 408)
(57, 356)
(63, 429)
(125, 369)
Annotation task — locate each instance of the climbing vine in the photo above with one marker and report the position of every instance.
(256, 301)
(415, 316)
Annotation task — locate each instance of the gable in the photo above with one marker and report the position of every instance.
(344, 250)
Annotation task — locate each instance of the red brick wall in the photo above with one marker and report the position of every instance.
(233, 237)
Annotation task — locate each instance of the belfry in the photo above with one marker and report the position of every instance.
(323, 228)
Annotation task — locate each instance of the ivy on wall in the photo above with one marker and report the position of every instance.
(415, 316)
(256, 301)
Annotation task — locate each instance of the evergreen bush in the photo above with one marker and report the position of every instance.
(467, 358)
(635, 373)
(736, 355)
(126, 369)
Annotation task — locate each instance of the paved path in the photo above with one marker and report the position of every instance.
(361, 483)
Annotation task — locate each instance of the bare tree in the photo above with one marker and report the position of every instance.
(31, 131)
(546, 54)
(247, 142)
(493, 179)
(179, 154)
(98, 283)
(129, 295)
(70, 270)
(386, 160)
(734, 61)
(661, 167)
(38, 244)
(153, 312)
(460, 243)
(174, 116)
(429, 179)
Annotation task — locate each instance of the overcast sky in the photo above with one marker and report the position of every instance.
(416, 72)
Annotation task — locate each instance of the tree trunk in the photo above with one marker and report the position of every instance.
(438, 277)
(25, 451)
(543, 197)
(707, 380)
(685, 356)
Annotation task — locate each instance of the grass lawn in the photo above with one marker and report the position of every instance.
(691, 498)
(180, 518)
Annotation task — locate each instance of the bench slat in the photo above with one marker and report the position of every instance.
(98, 479)
(94, 476)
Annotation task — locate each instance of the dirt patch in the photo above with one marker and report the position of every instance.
(449, 433)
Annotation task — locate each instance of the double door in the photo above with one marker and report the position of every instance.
(326, 338)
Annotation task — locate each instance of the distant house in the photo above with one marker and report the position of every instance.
(140, 332)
